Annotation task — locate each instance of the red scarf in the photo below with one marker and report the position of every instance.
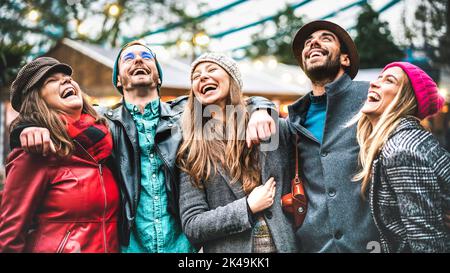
(95, 138)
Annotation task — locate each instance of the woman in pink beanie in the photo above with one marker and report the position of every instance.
(405, 171)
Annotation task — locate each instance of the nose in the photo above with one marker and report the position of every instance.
(204, 76)
(138, 58)
(314, 43)
(66, 78)
(374, 84)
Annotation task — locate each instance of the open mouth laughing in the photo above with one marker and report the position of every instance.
(140, 71)
(68, 92)
(316, 53)
(373, 96)
(208, 88)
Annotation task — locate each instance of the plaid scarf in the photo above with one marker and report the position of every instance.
(95, 138)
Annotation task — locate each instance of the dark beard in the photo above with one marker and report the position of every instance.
(131, 85)
(324, 73)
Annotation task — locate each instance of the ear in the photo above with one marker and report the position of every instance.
(159, 81)
(119, 83)
(345, 60)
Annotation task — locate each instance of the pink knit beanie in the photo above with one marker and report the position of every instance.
(429, 101)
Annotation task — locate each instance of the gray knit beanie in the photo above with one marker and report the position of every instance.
(227, 63)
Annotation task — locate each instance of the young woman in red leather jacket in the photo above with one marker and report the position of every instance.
(67, 201)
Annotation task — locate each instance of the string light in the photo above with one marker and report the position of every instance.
(114, 10)
(272, 63)
(33, 15)
(82, 29)
(201, 39)
(184, 46)
(259, 65)
(443, 92)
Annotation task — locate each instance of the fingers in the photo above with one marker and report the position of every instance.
(45, 143)
(270, 188)
(248, 139)
(52, 147)
(24, 141)
(270, 180)
(267, 130)
(272, 127)
(30, 143)
(273, 187)
(261, 131)
(252, 134)
(36, 140)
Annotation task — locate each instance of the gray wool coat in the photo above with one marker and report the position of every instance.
(217, 218)
(338, 219)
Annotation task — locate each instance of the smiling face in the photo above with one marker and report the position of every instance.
(137, 69)
(382, 91)
(322, 57)
(210, 84)
(61, 92)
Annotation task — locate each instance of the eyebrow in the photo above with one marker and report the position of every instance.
(207, 66)
(321, 35)
(388, 76)
(392, 76)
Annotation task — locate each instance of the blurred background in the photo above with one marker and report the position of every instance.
(87, 34)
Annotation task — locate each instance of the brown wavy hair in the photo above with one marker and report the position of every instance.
(200, 156)
(35, 111)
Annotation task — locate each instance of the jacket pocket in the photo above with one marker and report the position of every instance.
(63, 243)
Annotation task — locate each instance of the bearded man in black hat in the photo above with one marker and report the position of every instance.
(338, 219)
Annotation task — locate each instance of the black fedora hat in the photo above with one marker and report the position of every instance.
(31, 74)
(305, 31)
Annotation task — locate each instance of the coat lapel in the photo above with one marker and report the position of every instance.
(236, 187)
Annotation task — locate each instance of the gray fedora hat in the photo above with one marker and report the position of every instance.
(303, 33)
(31, 74)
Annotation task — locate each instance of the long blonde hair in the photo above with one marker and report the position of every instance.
(371, 140)
(35, 111)
(200, 157)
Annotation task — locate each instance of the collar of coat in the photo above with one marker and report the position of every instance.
(299, 108)
(407, 123)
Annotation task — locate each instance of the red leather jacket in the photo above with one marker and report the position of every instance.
(54, 205)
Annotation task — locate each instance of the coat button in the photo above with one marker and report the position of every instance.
(110, 113)
(170, 125)
(324, 154)
(268, 214)
(332, 193)
(338, 235)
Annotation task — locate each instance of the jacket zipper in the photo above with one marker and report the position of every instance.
(63, 243)
(105, 207)
(104, 195)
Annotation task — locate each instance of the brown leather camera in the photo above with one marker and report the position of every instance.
(295, 203)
